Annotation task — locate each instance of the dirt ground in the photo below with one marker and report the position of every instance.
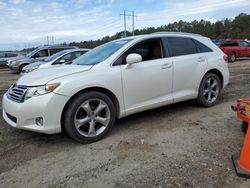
(181, 145)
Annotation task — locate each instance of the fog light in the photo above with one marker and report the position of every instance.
(39, 121)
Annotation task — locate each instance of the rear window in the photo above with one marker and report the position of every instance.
(228, 44)
(181, 46)
(10, 55)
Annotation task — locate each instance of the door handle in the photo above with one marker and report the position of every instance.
(166, 66)
(201, 59)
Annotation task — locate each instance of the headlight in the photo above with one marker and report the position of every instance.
(40, 90)
(14, 63)
(26, 70)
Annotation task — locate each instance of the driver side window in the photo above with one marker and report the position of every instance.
(149, 50)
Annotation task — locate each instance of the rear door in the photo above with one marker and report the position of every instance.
(188, 65)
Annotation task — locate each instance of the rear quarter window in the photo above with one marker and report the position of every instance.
(202, 48)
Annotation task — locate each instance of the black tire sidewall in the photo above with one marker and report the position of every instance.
(21, 67)
(68, 116)
(201, 100)
(244, 127)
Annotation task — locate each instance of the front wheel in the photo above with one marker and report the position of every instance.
(89, 117)
(209, 90)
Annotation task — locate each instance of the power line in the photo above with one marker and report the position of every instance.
(125, 16)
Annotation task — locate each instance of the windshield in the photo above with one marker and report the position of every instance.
(54, 56)
(32, 53)
(100, 53)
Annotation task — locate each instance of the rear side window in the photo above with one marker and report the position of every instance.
(41, 53)
(2, 55)
(202, 48)
(55, 50)
(10, 55)
(181, 46)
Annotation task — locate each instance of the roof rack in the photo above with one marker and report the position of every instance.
(183, 33)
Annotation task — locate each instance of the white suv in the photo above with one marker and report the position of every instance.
(115, 80)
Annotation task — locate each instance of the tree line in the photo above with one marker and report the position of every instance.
(239, 27)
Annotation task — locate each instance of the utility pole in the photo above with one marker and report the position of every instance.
(133, 22)
(53, 40)
(125, 15)
(125, 24)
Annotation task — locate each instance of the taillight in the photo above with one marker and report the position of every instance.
(225, 57)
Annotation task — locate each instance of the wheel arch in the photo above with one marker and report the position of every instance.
(217, 73)
(105, 91)
(22, 65)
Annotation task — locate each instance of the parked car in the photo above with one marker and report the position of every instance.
(62, 57)
(235, 49)
(115, 80)
(218, 41)
(38, 54)
(8, 56)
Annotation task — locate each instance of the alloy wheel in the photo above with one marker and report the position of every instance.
(211, 90)
(92, 117)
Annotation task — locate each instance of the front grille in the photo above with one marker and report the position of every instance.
(16, 93)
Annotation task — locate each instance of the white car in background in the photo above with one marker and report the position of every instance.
(115, 80)
(62, 57)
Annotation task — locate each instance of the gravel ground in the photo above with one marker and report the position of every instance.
(181, 145)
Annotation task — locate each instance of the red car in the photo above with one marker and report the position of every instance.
(235, 48)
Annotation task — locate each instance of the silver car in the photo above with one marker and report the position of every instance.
(62, 57)
(38, 54)
(8, 56)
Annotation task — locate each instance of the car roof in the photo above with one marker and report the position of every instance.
(56, 46)
(161, 34)
(76, 50)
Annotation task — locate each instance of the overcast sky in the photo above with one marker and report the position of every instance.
(25, 23)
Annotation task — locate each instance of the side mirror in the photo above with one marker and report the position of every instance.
(133, 58)
(62, 61)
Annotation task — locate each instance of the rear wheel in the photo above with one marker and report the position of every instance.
(89, 117)
(209, 90)
(232, 57)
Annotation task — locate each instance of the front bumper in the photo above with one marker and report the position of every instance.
(23, 115)
(14, 69)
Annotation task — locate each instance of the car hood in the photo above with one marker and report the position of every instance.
(18, 58)
(43, 76)
(35, 64)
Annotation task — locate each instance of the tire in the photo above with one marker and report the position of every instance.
(210, 88)
(244, 126)
(89, 117)
(232, 57)
(21, 67)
